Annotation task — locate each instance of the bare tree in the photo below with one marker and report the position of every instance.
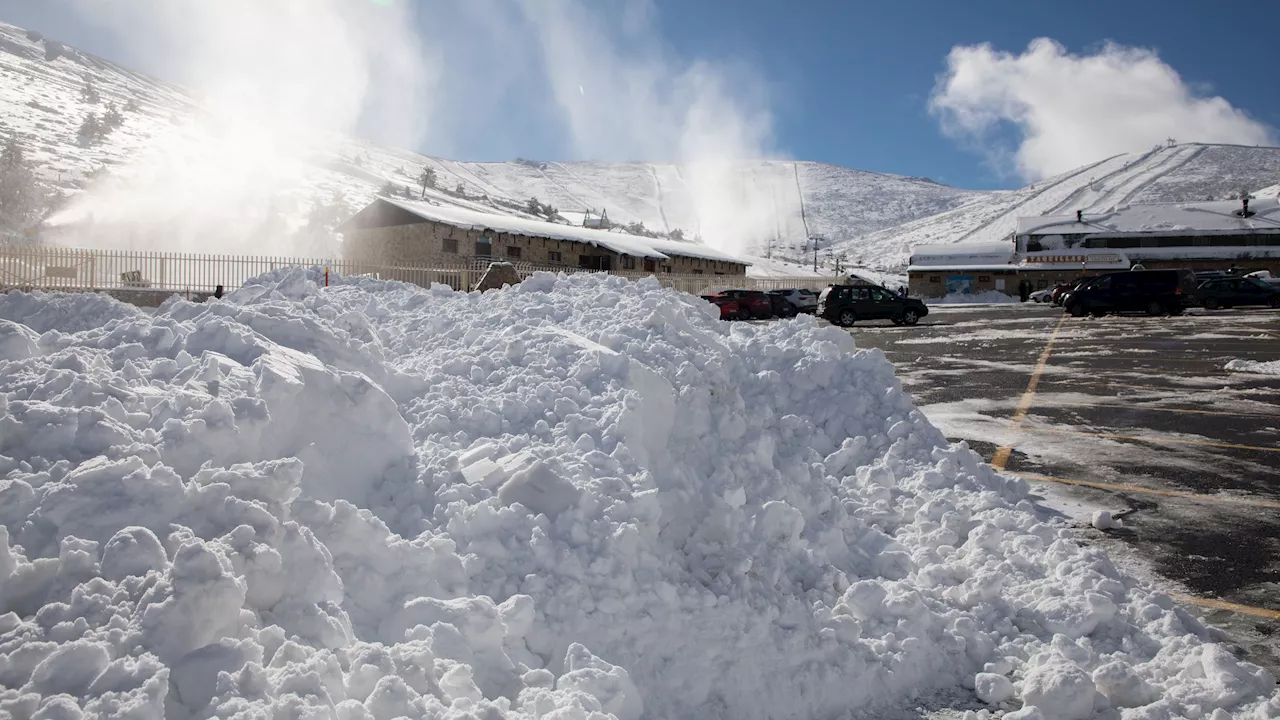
(427, 179)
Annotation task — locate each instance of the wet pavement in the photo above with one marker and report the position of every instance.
(1143, 409)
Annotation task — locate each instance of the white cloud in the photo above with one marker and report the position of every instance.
(1070, 110)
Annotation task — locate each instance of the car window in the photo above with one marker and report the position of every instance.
(1102, 283)
(879, 295)
(860, 293)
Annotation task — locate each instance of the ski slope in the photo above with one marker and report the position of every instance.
(753, 208)
(1175, 173)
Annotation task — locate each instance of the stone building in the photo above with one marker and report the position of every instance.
(391, 232)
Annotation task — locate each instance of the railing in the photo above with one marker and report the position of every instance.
(45, 267)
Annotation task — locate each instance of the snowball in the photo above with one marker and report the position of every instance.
(993, 689)
(132, 551)
(1104, 520)
(1061, 691)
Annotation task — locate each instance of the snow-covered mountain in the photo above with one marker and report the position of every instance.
(873, 218)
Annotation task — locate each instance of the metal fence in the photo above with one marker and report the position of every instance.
(45, 267)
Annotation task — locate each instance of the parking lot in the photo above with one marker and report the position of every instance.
(1132, 414)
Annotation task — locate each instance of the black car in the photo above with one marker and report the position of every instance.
(782, 307)
(1155, 292)
(1230, 292)
(846, 304)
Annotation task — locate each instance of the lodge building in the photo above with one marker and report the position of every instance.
(1049, 249)
(393, 232)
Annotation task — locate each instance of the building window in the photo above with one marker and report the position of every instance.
(935, 279)
(553, 256)
(719, 273)
(666, 269)
(697, 272)
(1042, 284)
(451, 246)
(513, 253)
(984, 278)
(484, 247)
(649, 265)
(628, 262)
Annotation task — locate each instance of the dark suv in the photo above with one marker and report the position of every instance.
(1230, 292)
(1154, 291)
(846, 304)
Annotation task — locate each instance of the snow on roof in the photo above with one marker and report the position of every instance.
(617, 242)
(962, 254)
(1196, 218)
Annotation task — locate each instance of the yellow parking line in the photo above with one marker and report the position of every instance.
(1229, 606)
(1117, 487)
(1117, 436)
(1001, 457)
(1170, 410)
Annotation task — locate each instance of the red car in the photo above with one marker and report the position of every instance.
(754, 303)
(729, 308)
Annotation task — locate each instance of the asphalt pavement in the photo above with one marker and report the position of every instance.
(1130, 413)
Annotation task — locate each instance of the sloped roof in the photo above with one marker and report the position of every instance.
(620, 243)
(966, 254)
(1197, 218)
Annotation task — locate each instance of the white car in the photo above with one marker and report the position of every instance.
(1042, 296)
(806, 301)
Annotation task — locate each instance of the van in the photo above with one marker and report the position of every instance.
(1155, 292)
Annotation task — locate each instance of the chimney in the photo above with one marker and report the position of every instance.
(1244, 210)
(1079, 216)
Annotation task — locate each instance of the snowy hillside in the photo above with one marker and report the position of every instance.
(1176, 173)
(757, 208)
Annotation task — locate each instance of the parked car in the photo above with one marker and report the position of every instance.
(729, 308)
(846, 304)
(1060, 292)
(782, 307)
(1154, 291)
(806, 301)
(1233, 292)
(1042, 296)
(755, 303)
(1266, 277)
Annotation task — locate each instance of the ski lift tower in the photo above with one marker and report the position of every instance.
(815, 241)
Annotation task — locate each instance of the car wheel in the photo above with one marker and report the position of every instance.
(1154, 308)
(910, 316)
(847, 318)
(1274, 302)
(1078, 310)
(1211, 303)
(897, 321)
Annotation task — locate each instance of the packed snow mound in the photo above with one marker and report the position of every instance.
(578, 497)
(1264, 367)
(988, 297)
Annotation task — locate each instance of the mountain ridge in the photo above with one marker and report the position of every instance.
(765, 207)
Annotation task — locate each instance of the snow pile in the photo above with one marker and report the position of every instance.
(1267, 367)
(988, 297)
(579, 497)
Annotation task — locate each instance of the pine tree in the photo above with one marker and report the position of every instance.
(89, 93)
(90, 130)
(533, 207)
(427, 179)
(132, 105)
(112, 118)
(21, 197)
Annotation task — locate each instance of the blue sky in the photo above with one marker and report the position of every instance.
(849, 83)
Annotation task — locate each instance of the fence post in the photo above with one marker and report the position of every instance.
(326, 276)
